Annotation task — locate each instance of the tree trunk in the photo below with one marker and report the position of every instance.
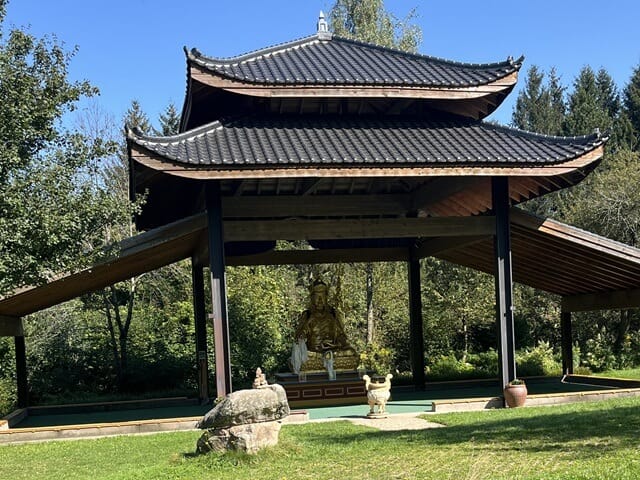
(370, 317)
(623, 328)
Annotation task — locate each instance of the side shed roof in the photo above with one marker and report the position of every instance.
(589, 271)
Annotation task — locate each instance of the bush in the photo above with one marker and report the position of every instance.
(8, 396)
(448, 367)
(485, 363)
(599, 354)
(376, 358)
(538, 361)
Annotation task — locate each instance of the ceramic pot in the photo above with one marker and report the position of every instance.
(515, 395)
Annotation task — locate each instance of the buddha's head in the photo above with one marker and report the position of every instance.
(319, 291)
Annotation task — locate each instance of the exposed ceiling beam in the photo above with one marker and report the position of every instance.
(329, 255)
(249, 230)
(437, 246)
(314, 205)
(613, 300)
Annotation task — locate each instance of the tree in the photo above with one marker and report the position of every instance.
(169, 121)
(540, 107)
(593, 104)
(631, 100)
(368, 21)
(48, 214)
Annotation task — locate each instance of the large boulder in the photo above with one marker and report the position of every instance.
(248, 438)
(246, 420)
(242, 407)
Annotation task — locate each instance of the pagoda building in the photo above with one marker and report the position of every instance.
(368, 154)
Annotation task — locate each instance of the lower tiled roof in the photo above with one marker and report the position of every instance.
(346, 141)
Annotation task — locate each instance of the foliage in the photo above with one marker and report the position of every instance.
(540, 106)
(368, 21)
(377, 359)
(263, 311)
(631, 99)
(538, 361)
(49, 213)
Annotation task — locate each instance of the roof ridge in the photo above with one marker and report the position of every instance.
(197, 56)
(508, 62)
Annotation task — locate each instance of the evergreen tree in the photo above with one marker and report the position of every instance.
(631, 98)
(368, 21)
(540, 107)
(593, 104)
(169, 121)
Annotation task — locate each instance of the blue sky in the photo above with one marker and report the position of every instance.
(134, 49)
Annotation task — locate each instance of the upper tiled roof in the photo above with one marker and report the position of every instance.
(318, 141)
(330, 60)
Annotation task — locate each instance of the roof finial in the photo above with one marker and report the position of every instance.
(323, 28)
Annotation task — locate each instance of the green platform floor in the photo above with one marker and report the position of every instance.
(403, 400)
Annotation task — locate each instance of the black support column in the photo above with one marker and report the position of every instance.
(415, 322)
(567, 343)
(218, 288)
(503, 280)
(21, 372)
(200, 317)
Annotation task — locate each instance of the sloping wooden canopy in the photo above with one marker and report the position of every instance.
(590, 272)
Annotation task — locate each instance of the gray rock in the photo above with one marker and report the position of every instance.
(243, 407)
(248, 438)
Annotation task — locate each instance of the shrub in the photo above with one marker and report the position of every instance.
(8, 396)
(376, 358)
(484, 363)
(538, 361)
(448, 367)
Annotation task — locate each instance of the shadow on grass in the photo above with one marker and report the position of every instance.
(583, 433)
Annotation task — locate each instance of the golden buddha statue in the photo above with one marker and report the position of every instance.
(321, 340)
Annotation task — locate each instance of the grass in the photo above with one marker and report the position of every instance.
(579, 441)
(630, 373)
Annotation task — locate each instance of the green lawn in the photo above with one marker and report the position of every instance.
(631, 373)
(588, 440)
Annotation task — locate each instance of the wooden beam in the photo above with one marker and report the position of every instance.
(503, 281)
(220, 314)
(265, 206)
(436, 246)
(329, 255)
(11, 326)
(199, 320)
(247, 230)
(131, 257)
(566, 343)
(611, 300)
(416, 333)
(21, 372)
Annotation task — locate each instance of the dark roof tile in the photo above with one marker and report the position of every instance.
(339, 61)
(335, 140)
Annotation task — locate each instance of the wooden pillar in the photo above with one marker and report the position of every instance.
(415, 322)
(199, 313)
(503, 280)
(21, 372)
(218, 288)
(567, 343)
